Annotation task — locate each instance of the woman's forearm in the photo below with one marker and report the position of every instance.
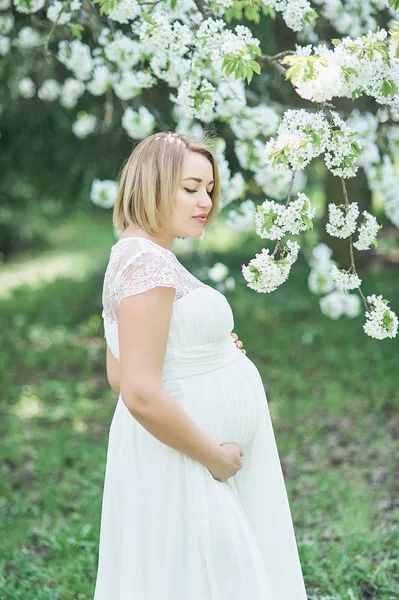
(166, 420)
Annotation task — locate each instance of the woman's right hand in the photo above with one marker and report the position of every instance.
(230, 462)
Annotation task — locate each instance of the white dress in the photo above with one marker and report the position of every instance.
(169, 530)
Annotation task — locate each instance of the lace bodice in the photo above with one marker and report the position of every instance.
(137, 265)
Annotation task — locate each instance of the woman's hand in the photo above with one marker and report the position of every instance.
(238, 342)
(229, 462)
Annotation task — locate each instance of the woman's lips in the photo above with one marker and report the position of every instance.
(201, 219)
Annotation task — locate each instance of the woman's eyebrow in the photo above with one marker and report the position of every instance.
(198, 179)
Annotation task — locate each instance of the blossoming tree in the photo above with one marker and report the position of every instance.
(119, 49)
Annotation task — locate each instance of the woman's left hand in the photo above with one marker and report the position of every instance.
(238, 342)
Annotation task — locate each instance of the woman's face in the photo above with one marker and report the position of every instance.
(193, 195)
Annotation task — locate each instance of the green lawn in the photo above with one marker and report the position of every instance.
(332, 392)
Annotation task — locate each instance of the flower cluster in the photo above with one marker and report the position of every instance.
(294, 12)
(326, 278)
(219, 275)
(76, 56)
(103, 193)
(342, 150)
(354, 16)
(301, 137)
(273, 221)
(367, 232)
(385, 179)
(264, 273)
(320, 281)
(337, 304)
(344, 280)
(381, 321)
(366, 65)
(343, 222)
(342, 219)
(138, 125)
(84, 125)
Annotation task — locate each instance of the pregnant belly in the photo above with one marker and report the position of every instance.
(224, 402)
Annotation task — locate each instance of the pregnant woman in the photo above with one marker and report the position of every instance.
(194, 502)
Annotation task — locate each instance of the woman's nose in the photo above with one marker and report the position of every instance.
(205, 200)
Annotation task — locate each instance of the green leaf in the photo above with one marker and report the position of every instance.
(147, 18)
(310, 16)
(255, 66)
(306, 221)
(76, 30)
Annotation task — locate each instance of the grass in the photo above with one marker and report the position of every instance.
(332, 392)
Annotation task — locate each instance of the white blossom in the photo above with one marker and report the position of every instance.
(367, 232)
(320, 261)
(28, 38)
(123, 51)
(57, 13)
(230, 283)
(6, 23)
(273, 220)
(230, 99)
(103, 193)
(124, 10)
(293, 11)
(343, 280)
(319, 281)
(242, 218)
(301, 137)
(218, 272)
(71, 91)
(102, 79)
(381, 321)
(76, 57)
(28, 6)
(342, 149)
(138, 124)
(26, 88)
(84, 125)
(342, 219)
(234, 190)
(253, 121)
(5, 45)
(264, 273)
(132, 83)
(337, 304)
(49, 90)
(383, 178)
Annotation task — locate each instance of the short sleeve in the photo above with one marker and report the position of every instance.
(147, 269)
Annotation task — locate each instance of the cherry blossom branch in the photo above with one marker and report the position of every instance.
(286, 204)
(203, 8)
(53, 28)
(352, 258)
(274, 60)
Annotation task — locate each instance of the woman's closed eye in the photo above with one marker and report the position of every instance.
(194, 191)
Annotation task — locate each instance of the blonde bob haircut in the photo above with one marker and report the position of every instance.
(150, 178)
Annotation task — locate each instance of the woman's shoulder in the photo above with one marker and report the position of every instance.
(138, 250)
